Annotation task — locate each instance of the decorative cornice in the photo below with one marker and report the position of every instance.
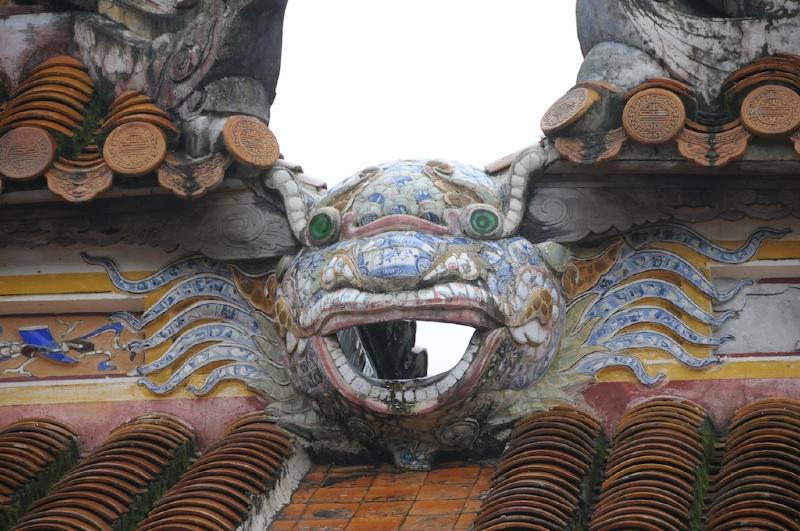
(573, 202)
(761, 100)
(233, 224)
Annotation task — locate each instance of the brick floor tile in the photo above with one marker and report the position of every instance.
(375, 524)
(339, 494)
(432, 507)
(383, 509)
(396, 493)
(291, 511)
(478, 490)
(303, 493)
(427, 523)
(316, 474)
(465, 521)
(443, 492)
(282, 525)
(408, 479)
(353, 470)
(472, 505)
(336, 524)
(337, 479)
(329, 511)
(465, 475)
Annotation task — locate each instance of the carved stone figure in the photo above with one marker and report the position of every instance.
(327, 334)
(191, 56)
(626, 42)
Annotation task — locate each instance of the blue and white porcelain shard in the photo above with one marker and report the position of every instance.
(670, 233)
(636, 291)
(623, 296)
(182, 268)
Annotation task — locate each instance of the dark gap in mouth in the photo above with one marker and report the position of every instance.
(385, 350)
(406, 349)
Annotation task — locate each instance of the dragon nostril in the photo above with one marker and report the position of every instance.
(461, 266)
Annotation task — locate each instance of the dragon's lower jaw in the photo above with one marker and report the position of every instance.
(407, 396)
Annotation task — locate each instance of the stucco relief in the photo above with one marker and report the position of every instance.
(327, 336)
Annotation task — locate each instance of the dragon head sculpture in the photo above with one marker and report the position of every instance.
(404, 242)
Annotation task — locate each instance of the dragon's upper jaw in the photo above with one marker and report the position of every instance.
(453, 302)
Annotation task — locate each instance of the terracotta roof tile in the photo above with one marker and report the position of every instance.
(118, 481)
(33, 454)
(756, 486)
(665, 470)
(651, 473)
(217, 490)
(540, 479)
(55, 123)
(759, 100)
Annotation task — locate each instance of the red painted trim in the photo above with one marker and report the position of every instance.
(792, 354)
(720, 398)
(780, 280)
(94, 420)
(62, 377)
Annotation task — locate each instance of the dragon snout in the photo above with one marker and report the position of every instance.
(339, 270)
(399, 268)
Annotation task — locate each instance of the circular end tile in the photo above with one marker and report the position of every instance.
(135, 149)
(250, 142)
(26, 152)
(771, 110)
(654, 116)
(568, 109)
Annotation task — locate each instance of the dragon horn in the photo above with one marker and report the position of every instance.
(297, 195)
(527, 167)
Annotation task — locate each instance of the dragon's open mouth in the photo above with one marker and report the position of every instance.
(369, 352)
(390, 351)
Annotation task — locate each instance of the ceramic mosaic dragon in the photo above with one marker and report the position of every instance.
(327, 336)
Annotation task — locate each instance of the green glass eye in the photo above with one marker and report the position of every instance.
(484, 221)
(320, 227)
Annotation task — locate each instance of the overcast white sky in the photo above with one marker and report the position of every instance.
(369, 81)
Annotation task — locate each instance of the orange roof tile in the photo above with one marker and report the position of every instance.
(118, 480)
(217, 490)
(665, 470)
(33, 452)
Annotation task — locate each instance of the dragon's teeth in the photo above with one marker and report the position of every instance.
(518, 333)
(291, 342)
(301, 344)
(459, 290)
(460, 369)
(426, 295)
(534, 332)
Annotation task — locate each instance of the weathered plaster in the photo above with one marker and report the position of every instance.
(26, 40)
(265, 508)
